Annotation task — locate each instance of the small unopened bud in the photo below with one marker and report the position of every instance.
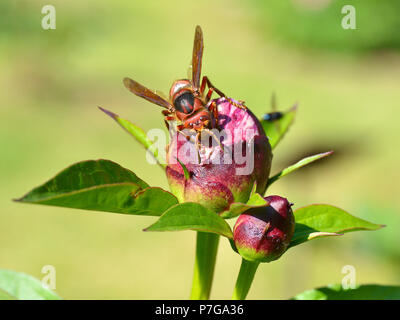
(263, 234)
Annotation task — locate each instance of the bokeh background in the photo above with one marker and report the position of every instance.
(347, 83)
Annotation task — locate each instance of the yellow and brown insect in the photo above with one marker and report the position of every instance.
(188, 102)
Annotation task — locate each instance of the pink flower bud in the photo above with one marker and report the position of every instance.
(263, 234)
(221, 172)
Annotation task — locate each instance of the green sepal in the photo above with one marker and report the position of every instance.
(297, 166)
(138, 134)
(275, 130)
(321, 220)
(191, 216)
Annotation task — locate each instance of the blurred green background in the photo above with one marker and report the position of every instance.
(347, 83)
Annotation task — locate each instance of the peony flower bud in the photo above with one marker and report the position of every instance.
(227, 163)
(263, 234)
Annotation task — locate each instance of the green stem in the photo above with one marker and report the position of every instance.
(206, 254)
(245, 278)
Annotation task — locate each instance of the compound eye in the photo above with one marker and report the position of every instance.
(184, 103)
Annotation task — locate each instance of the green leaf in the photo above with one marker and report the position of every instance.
(20, 286)
(237, 208)
(275, 130)
(191, 216)
(362, 292)
(101, 185)
(320, 220)
(138, 134)
(185, 170)
(298, 165)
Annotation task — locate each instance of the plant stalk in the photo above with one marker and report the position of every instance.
(245, 278)
(206, 254)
